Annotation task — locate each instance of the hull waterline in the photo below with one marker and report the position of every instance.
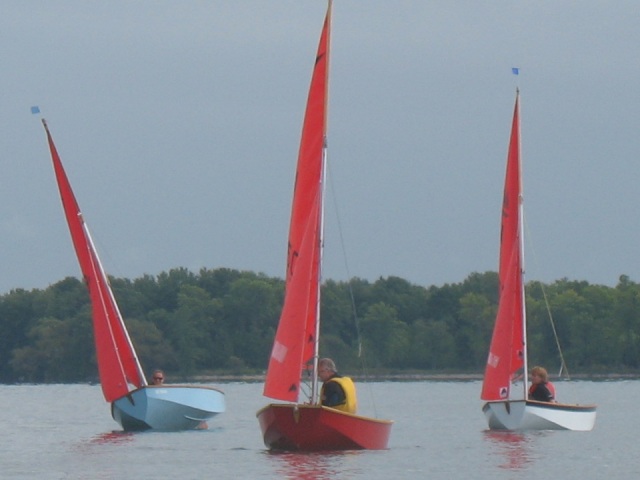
(522, 415)
(314, 427)
(168, 408)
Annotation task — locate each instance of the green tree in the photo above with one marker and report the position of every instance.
(19, 311)
(345, 356)
(192, 328)
(409, 301)
(627, 318)
(60, 350)
(476, 319)
(218, 282)
(250, 314)
(337, 312)
(386, 338)
(153, 349)
(432, 345)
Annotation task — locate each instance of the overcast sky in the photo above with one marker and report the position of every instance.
(178, 124)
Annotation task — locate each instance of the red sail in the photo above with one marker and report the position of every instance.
(117, 362)
(294, 346)
(507, 351)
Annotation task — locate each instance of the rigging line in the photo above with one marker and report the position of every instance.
(346, 264)
(563, 364)
(351, 295)
(115, 270)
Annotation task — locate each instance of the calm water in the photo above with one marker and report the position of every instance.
(66, 432)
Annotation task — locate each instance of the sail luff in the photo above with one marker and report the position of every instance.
(294, 349)
(315, 392)
(108, 325)
(507, 351)
(521, 272)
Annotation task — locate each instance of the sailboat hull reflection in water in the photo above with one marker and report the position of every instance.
(309, 426)
(507, 358)
(134, 404)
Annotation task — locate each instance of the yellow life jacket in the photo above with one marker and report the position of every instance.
(350, 404)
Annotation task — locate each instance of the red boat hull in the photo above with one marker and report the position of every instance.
(314, 427)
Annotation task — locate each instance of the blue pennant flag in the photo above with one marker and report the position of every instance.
(515, 70)
(35, 110)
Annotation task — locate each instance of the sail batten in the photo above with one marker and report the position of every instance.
(295, 345)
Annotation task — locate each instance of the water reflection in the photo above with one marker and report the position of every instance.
(514, 447)
(311, 465)
(114, 438)
(102, 443)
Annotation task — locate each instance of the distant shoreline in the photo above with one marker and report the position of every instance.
(412, 377)
(212, 378)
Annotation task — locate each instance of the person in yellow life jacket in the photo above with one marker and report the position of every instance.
(541, 388)
(337, 391)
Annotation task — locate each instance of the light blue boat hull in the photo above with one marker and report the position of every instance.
(170, 407)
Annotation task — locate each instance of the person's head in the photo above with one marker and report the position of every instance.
(539, 375)
(326, 369)
(158, 377)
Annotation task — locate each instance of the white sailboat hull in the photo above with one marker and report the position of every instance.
(533, 415)
(171, 407)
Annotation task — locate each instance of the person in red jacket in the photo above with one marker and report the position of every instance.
(541, 388)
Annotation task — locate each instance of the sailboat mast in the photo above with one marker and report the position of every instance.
(525, 381)
(102, 274)
(315, 392)
(314, 388)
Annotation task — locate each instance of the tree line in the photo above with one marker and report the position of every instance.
(224, 320)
